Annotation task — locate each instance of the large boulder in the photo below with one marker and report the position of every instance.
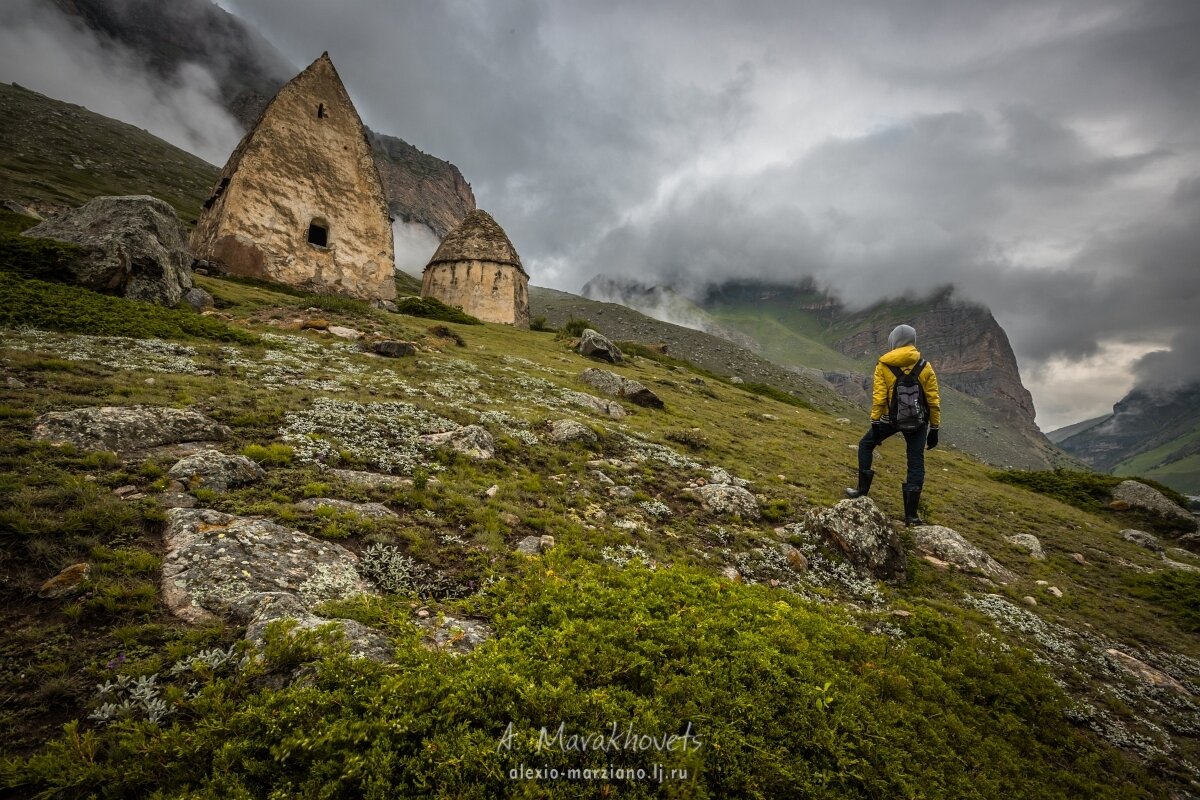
(861, 532)
(215, 560)
(212, 469)
(1139, 495)
(136, 247)
(594, 344)
(949, 546)
(257, 611)
(567, 431)
(609, 408)
(473, 441)
(1030, 544)
(722, 498)
(124, 428)
(616, 385)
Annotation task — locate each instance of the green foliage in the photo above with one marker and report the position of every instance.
(442, 332)
(1091, 491)
(779, 395)
(1177, 592)
(271, 455)
(539, 323)
(432, 308)
(45, 259)
(783, 699)
(73, 309)
(335, 304)
(776, 510)
(574, 327)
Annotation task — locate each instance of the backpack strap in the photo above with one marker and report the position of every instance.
(914, 372)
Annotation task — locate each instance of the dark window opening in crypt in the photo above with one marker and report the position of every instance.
(320, 111)
(318, 233)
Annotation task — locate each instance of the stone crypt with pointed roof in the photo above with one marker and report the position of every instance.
(477, 269)
(300, 201)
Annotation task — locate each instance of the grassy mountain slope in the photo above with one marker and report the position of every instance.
(1067, 431)
(801, 684)
(57, 155)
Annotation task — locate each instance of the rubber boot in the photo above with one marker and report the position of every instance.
(912, 498)
(864, 484)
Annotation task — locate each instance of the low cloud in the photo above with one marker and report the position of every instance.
(414, 245)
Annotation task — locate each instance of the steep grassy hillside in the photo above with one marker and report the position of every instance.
(57, 155)
(799, 681)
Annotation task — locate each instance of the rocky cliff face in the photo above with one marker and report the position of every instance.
(1142, 422)
(249, 71)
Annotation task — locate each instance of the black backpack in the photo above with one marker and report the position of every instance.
(908, 409)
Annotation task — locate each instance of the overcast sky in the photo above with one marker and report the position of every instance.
(1042, 156)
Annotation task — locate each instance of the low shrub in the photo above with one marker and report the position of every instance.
(1091, 491)
(432, 308)
(1176, 592)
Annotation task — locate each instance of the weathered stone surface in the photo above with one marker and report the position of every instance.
(343, 332)
(1146, 540)
(477, 269)
(594, 344)
(1139, 495)
(721, 498)
(795, 558)
(1144, 672)
(124, 428)
(176, 500)
(214, 560)
(565, 431)
(136, 247)
(609, 408)
(532, 545)
(616, 385)
(212, 469)
(371, 480)
(365, 510)
(198, 299)
(66, 583)
(473, 441)
(949, 546)
(860, 531)
(259, 610)
(393, 349)
(17, 208)
(300, 200)
(454, 635)
(1030, 544)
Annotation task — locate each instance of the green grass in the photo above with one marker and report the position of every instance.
(1175, 592)
(432, 308)
(1091, 491)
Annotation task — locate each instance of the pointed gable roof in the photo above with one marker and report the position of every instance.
(477, 238)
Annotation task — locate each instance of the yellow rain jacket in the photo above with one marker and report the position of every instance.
(905, 358)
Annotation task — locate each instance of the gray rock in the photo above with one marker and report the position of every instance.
(371, 480)
(125, 428)
(17, 208)
(176, 500)
(136, 247)
(388, 305)
(67, 583)
(566, 431)
(454, 635)
(594, 344)
(1139, 495)
(198, 299)
(530, 545)
(364, 510)
(257, 611)
(1030, 544)
(736, 380)
(473, 441)
(795, 558)
(616, 385)
(723, 498)
(12, 383)
(212, 469)
(860, 531)
(1144, 672)
(394, 349)
(609, 408)
(1146, 540)
(951, 547)
(620, 492)
(215, 560)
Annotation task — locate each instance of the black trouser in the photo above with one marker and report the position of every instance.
(914, 442)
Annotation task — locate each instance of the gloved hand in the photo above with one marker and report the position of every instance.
(878, 425)
(931, 441)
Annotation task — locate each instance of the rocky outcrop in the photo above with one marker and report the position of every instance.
(861, 532)
(608, 408)
(364, 510)
(135, 247)
(728, 499)
(125, 428)
(1139, 495)
(567, 431)
(1143, 539)
(214, 470)
(473, 441)
(594, 344)
(619, 386)
(1030, 544)
(949, 546)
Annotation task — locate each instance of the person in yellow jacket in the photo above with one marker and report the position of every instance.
(902, 355)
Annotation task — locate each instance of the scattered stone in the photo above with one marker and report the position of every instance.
(843, 420)
(901, 613)
(12, 383)
(732, 574)
(1146, 540)
(1029, 543)
(314, 324)
(373, 480)
(215, 560)
(259, 610)
(1054, 590)
(593, 344)
(176, 500)
(343, 333)
(394, 349)
(1041, 583)
(17, 208)
(721, 498)
(1190, 541)
(620, 492)
(795, 559)
(618, 386)
(937, 562)
(212, 469)
(364, 510)
(532, 545)
(736, 380)
(949, 546)
(1145, 672)
(567, 431)
(423, 613)
(136, 247)
(1139, 495)
(601, 478)
(1029, 601)
(198, 299)
(609, 408)
(124, 428)
(860, 531)
(66, 583)
(492, 490)
(510, 519)
(388, 305)
(124, 491)
(473, 441)
(1078, 558)
(454, 635)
